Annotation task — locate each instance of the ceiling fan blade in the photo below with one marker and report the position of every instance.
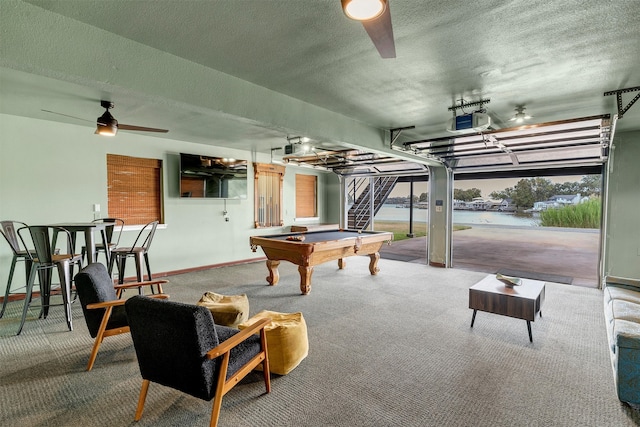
(140, 128)
(66, 115)
(381, 33)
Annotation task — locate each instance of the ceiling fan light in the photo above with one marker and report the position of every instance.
(106, 130)
(520, 116)
(107, 125)
(363, 10)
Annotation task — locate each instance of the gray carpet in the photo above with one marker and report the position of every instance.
(394, 349)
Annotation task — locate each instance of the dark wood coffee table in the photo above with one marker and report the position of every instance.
(493, 296)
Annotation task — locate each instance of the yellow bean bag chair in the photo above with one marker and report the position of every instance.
(287, 342)
(227, 310)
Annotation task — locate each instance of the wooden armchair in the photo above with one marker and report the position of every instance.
(179, 345)
(103, 309)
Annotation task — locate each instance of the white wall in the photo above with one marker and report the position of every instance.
(622, 241)
(52, 172)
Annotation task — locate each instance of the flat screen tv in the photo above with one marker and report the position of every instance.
(212, 177)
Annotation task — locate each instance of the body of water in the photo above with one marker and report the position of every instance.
(392, 213)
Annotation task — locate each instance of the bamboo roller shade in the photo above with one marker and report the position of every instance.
(134, 189)
(306, 188)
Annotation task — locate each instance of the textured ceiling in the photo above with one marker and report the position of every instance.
(555, 57)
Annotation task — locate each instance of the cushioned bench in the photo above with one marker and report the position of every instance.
(622, 316)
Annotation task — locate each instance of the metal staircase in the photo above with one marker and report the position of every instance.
(359, 215)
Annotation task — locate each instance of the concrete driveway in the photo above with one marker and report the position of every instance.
(563, 255)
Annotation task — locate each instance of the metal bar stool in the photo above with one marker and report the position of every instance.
(9, 230)
(114, 228)
(138, 251)
(47, 259)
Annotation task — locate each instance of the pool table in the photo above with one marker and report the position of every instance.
(309, 249)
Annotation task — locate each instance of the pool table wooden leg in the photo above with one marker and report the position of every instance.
(274, 274)
(305, 279)
(373, 263)
(341, 263)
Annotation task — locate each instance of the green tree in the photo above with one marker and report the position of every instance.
(474, 192)
(531, 190)
(542, 189)
(523, 194)
(507, 193)
(424, 197)
(466, 195)
(591, 185)
(567, 188)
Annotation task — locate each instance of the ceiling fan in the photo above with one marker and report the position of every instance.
(106, 124)
(375, 16)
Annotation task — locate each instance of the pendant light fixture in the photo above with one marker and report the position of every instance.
(363, 10)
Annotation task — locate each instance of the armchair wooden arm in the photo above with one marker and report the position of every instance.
(102, 305)
(232, 342)
(103, 332)
(113, 303)
(120, 288)
(223, 350)
(177, 331)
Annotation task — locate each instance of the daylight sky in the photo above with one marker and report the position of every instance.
(486, 186)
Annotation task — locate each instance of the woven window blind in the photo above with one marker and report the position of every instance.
(134, 189)
(268, 195)
(306, 196)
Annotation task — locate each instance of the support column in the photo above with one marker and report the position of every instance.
(411, 234)
(344, 220)
(440, 216)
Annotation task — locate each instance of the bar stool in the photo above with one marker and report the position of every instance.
(139, 252)
(47, 258)
(115, 226)
(8, 230)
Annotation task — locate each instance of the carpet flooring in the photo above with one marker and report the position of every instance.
(394, 349)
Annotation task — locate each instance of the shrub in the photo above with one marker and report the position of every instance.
(582, 215)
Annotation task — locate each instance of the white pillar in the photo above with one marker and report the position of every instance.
(440, 216)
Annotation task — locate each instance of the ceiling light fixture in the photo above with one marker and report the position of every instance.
(363, 10)
(520, 116)
(107, 125)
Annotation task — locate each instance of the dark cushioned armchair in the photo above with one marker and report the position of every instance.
(179, 346)
(101, 304)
